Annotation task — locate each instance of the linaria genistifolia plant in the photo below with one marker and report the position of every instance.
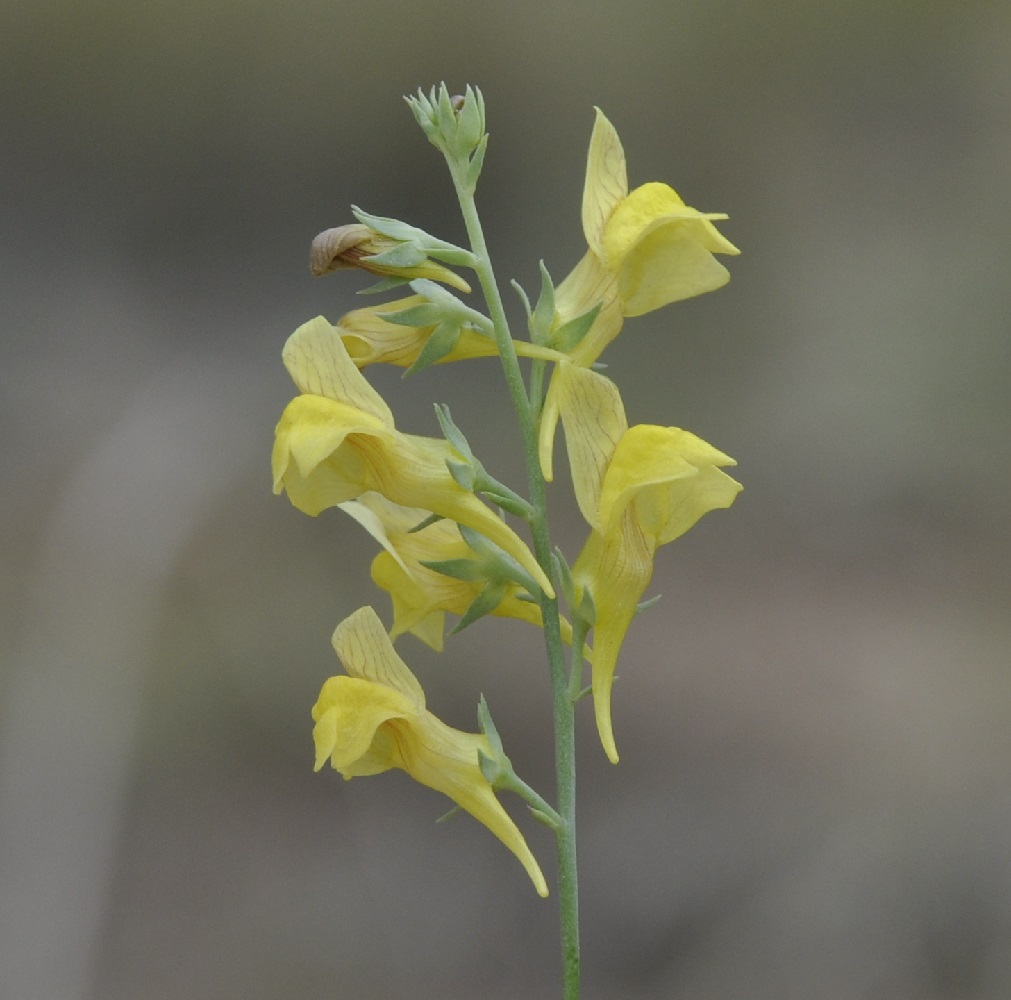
(426, 500)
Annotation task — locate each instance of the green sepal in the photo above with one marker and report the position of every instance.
(489, 767)
(383, 285)
(450, 254)
(569, 336)
(509, 502)
(544, 312)
(421, 525)
(421, 109)
(393, 228)
(452, 433)
(441, 341)
(542, 817)
(447, 816)
(402, 255)
(475, 165)
(459, 569)
(484, 604)
(497, 565)
(463, 475)
(421, 315)
(487, 727)
(450, 307)
(405, 233)
(446, 114)
(564, 575)
(647, 604)
(586, 609)
(470, 120)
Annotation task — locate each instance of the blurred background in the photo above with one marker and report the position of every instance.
(815, 725)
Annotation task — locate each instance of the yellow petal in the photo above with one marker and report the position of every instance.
(594, 420)
(671, 475)
(645, 455)
(416, 609)
(606, 179)
(662, 250)
(616, 568)
(320, 365)
(447, 760)
(348, 714)
(311, 429)
(366, 651)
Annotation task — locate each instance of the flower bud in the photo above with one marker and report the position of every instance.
(359, 246)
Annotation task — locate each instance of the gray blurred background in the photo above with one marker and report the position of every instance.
(812, 800)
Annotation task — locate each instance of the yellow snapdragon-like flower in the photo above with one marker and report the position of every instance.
(658, 483)
(371, 339)
(337, 440)
(422, 595)
(374, 719)
(647, 248)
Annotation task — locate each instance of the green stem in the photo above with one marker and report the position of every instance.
(564, 716)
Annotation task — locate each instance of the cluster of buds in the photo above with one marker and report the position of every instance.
(444, 550)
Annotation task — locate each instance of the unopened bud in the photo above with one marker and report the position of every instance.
(341, 247)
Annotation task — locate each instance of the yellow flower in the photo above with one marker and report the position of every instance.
(646, 248)
(422, 595)
(371, 339)
(374, 719)
(337, 440)
(658, 483)
(356, 245)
